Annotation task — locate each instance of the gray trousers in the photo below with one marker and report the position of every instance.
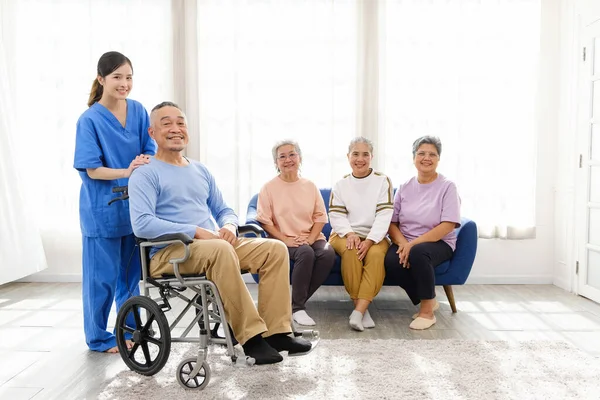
(312, 265)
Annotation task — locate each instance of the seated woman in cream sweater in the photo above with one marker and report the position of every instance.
(360, 211)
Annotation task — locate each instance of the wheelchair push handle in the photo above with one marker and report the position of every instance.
(123, 196)
(119, 189)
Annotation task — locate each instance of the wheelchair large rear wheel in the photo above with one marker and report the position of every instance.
(143, 335)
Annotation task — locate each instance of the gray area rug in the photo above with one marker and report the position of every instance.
(385, 369)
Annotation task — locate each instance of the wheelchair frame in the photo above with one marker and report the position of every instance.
(191, 373)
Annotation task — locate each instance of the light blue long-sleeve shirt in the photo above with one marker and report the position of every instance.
(165, 198)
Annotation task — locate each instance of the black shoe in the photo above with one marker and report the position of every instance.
(259, 349)
(293, 345)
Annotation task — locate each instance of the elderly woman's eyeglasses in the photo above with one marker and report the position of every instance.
(422, 154)
(292, 156)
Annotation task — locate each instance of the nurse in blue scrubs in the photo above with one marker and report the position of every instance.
(112, 140)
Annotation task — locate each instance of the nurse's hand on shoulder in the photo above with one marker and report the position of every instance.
(138, 161)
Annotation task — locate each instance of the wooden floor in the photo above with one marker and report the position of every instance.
(43, 354)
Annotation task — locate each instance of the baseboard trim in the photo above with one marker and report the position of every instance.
(564, 284)
(511, 280)
(51, 278)
(475, 280)
(70, 278)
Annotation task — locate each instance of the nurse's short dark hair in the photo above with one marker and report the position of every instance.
(107, 64)
(434, 140)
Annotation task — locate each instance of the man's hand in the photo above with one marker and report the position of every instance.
(352, 241)
(205, 234)
(228, 233)
(363, 248)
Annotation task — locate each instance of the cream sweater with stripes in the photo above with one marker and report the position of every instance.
(362, 205)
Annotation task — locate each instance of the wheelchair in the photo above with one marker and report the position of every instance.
(143, 333)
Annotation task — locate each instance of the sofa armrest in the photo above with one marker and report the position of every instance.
(466, 249)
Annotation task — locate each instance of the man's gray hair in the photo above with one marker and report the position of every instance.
(360, 139)
(166, 104)
(285, 142)
(434, 140)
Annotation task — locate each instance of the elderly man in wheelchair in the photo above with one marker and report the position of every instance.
(172, 202)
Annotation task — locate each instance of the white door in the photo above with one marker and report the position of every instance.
(588, 185)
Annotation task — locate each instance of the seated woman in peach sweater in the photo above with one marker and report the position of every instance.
(291, 209)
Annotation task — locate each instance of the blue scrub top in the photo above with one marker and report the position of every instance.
(102, 141)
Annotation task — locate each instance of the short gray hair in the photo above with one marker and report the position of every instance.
(360, 139)
(166, 104)
(434, 140)
(285, 142)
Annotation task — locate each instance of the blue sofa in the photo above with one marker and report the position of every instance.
(452, 272)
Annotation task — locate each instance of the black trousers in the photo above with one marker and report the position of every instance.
(312, 265)
(419, 279)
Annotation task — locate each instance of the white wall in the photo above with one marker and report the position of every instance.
(498, 261)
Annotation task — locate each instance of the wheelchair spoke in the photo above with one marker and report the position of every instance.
(127, 329)
(136, 316)
(133, 350)
(190, 368)
(149, 322)
(154, 341)
(146, 353)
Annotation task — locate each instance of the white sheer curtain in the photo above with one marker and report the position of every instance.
(322, 72)
(54, 64)
(254, 72)
(272, 70)
(21, 251)
(466, 71)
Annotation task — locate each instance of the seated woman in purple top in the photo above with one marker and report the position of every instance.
(426, 212)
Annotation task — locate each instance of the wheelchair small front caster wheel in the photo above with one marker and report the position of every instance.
(185, 378)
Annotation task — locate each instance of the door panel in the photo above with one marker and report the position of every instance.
(589, 186)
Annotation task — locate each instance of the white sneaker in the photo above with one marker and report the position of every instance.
(302, 318)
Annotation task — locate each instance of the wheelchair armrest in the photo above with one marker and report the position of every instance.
(170, 239)
(251, 228)
(181, 237)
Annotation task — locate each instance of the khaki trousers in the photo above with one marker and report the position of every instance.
(362, 279)
(222, 263)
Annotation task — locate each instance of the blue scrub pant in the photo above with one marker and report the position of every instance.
(107, 277)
